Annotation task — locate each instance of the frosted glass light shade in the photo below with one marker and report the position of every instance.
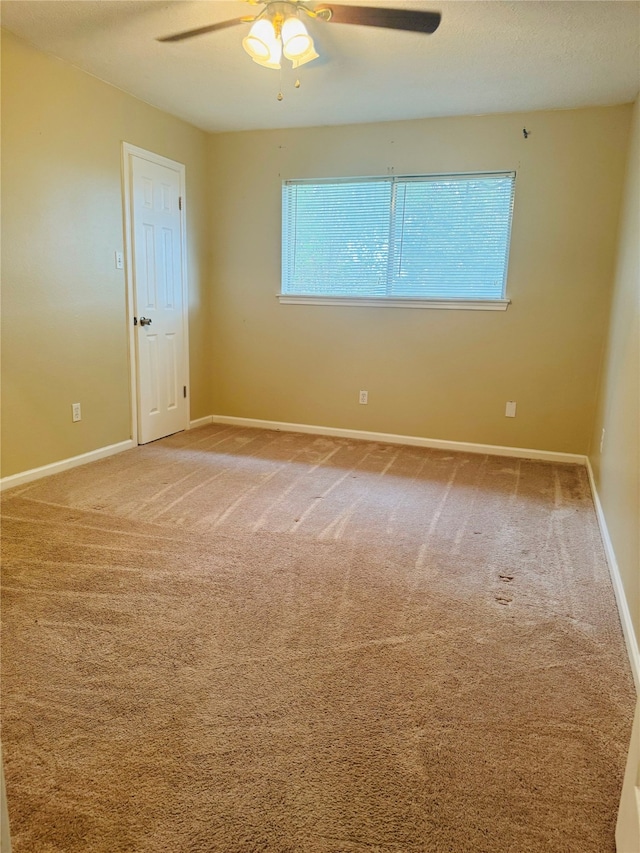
(295, 38)
(273, 60)
(307, 56)
(262, 45)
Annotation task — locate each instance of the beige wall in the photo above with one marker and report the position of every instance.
(64, 335)
(617, 468)
(432, 373)
(438, 374)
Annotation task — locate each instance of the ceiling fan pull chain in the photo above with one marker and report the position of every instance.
(280, 95)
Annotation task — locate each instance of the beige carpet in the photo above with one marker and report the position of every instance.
(237, 640)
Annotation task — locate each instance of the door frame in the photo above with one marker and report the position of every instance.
(129, 151)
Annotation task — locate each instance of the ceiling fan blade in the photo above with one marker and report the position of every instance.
(372, 16)
(199, 31)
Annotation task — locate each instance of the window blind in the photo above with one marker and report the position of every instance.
(432, 237)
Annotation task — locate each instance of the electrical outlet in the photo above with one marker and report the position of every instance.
(602, 440)
(364, 398)
(510, 411)
(119, 261)
(76, 414)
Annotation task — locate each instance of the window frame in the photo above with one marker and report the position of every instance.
(457, 302)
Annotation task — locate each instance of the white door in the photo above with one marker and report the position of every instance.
(628, 826)
(156, 221)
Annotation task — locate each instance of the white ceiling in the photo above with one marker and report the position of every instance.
(487, 56)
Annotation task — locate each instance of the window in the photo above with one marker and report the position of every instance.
(434, 240)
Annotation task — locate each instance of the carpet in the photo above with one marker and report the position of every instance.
(238, 640)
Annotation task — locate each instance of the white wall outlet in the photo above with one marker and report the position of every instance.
(119, 261)
(76, 414)
(510, 411)
(602, 440)
(363, 398)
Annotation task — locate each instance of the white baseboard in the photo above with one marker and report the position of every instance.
(200, 422)
(413, 440)
(621, 599)
(64, 464)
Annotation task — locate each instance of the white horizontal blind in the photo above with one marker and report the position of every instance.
(336, 238)
(435, 237)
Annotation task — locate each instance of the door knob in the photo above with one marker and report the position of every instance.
(144, 321)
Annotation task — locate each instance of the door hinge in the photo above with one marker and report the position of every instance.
(184, 391)
(180, 202)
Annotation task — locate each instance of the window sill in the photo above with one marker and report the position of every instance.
(384, 302)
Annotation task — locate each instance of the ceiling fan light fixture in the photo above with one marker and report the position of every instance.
(262, 45)
(279, 32)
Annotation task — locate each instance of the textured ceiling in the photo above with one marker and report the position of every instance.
(486, 57)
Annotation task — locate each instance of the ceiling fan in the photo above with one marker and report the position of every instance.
(279, 30)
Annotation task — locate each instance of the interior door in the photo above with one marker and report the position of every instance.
(159, 310)
(628, 826)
